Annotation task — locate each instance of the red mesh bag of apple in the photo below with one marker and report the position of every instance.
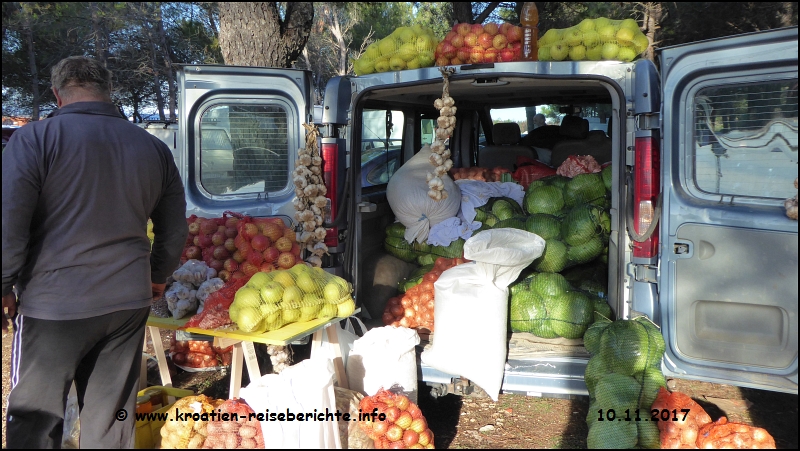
(215, 313)
(478, 43)
(211, 240)
(233, 428)
(263, 245)
(398, 422)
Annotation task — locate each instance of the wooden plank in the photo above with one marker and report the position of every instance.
(338, 364)
(163, 369)
(250, 359)
(236, 371)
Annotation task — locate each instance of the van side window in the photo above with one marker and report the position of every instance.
(745, 139)
(244, 149)
(381, 146)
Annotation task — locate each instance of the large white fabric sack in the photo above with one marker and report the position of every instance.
(301, 388)
(471, 306)
(407, 194)
(384, 358)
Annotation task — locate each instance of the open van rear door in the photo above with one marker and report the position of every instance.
(240, 128)
(728, 253)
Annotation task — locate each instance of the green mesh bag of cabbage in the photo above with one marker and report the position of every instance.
(396, 245)
(623, 377)
(273, 299)
(546, 305)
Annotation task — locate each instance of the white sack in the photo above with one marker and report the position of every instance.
(304, 387)
(475, 193)
(471, 306)
(407, 194)
(384, 358)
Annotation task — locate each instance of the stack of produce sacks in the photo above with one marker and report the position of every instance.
(545, 305)
(406, 48)
(594, 40)
(419, 252)
(271, 300)
(623, 375)
(399, 423)
(184, 432)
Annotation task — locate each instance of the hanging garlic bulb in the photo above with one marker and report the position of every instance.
(310, 191)
(440, 156)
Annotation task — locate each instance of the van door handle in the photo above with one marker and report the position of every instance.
(683, 249)
(367, 207)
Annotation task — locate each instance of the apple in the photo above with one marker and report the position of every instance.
(550, 37)
(217, 265)
(426, 59)
(626, 53)
(221, 228)
(463, 29)
(507, 55)
(193, 253)
(456, 62)
(225, 275)
(491, 28)
(607, 33)
(601, 22)
(625, 36)
(218, 239)
(544, 53)
(237, 275)
(230, 245)
(231, 265)
(396, 63)
(485, 40)
(458, 41)
(255, 257)
(410, 438)
(641, 43)
(559, 51)
(271, 254)
(231, 232)
(610, 51)
(477, 29)
(231, 222)
(292, 294)
(413, 64)
(419, 425)
(573, 37)
(471, 40)
(577, 53)
(490, 55)
(425, 437)
(394, 433)
(425, 43)
(448, 50)
(407, 52)
(499, 42)
(244, 246)
(249, 269)
(450, 36)
(463, 54)
(283, 244)
(586, 25)
(590, 38)
(286, 260)
(208, 227)
(196, 240)
(237, 255)
(476, 55)
(442, 61)
(272, 292)
(250, 230)
(504, 27)
(220, 253)
(382, 65)
(594, 53)
(515, 34)
(205, 241)
(266, 267)
(630, 24)
(260, 242)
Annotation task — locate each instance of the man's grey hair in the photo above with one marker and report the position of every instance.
(81, 72)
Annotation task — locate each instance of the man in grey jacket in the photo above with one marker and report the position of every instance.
(78, 188)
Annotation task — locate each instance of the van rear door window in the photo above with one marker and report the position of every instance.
(244, 149)
(745, 139)
(381, 145)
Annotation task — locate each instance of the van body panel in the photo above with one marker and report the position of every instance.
(728, 256)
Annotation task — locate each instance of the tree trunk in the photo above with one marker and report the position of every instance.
(462, 12)
(100, 32)
(253, 34)
(653, 14)
(34, 73)
(169, 72)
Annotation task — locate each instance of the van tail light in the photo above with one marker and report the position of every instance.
(330, 163)
(646, 186)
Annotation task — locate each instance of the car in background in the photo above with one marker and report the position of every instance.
(8, 130)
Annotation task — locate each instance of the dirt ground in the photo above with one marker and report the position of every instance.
(517, 421)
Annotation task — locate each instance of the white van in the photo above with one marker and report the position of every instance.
(703, 154)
